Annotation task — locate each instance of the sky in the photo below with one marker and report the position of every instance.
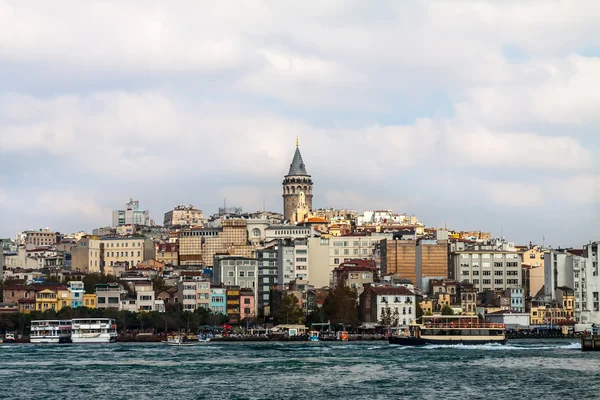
(472, 114)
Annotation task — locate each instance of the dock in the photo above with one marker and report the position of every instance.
(590, 343)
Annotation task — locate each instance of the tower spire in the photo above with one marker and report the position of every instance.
(296, 140)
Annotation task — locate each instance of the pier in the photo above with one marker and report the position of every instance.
(590, 343)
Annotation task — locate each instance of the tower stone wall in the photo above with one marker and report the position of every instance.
(292, 187)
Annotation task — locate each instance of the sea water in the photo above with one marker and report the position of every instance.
(548, 369)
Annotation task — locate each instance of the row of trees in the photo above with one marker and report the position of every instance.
(173, 319)
(340, 307)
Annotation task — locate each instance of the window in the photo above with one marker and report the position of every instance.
(465, 273)
(485, 273)
(498, 281)
(230, 274)
(250, 274)
(246, 311)
(336, 252)
(475, 273)
(498, 273)
(346, 252)
(246, 301)
(487, 281)
(336, 261)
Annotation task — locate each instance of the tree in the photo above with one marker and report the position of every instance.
(446, 310)
(341, 306)
(289, 310)
(395, 318)
(386, 316)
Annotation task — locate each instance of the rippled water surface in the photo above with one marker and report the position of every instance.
(373, 370)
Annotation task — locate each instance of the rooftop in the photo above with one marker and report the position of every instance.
(297, 166)
(391, 291)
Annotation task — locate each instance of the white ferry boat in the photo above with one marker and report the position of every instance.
(93, 330)
(50, 331)
(446, 329)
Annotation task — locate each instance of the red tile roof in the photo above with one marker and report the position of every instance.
(391, 291)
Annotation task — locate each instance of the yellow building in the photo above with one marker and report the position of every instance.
(168, 253)
(52, 299)
(427, 307)
(533, 263)
(90, 300)
(537, 315)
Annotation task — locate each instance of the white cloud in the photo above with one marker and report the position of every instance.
(395, 96)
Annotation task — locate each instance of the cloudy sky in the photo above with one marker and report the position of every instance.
(481, 115)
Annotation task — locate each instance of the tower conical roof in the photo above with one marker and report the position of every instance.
(297, 166)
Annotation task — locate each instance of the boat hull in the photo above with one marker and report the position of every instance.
(98, 339)
(423, 342)
(50, 339)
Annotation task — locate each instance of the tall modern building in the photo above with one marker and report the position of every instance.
(295, 182)
(131, 215)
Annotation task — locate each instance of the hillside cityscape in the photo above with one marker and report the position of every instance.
(372, 269)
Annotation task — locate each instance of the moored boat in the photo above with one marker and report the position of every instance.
(93, 330)
(50, 331)
(9, 338)
(449, 329)
(182, 340)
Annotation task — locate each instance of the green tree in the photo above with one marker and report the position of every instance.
(289, 310)
(419, 311)
(386, 317)
(446, 310)
(341, 306)
(395, 318)
(6, 323)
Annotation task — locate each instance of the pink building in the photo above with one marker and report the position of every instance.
(247, 304)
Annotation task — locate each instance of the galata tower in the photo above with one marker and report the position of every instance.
(295, 182)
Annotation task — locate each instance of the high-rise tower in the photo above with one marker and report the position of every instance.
(295, 182)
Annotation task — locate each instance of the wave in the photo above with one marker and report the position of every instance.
(491, 346)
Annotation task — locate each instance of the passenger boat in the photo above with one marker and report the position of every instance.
(449, 329)
(93, 330)
(50, 331)
(313, 336)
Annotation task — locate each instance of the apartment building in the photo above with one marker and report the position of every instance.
(76, 293)
(193, 293)
(377, 300)
(268, 275)
(199, 246)
(218, 299)
(145, 298)
(492, 266)
(42, 237)
(108, 295)
(183, 215)
(318, 267)
(131, 215)
(168, 253)
(129, 250)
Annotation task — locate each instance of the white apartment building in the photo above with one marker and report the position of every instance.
(494, 266)
(557, 272)
(144, 293)
(586, 284)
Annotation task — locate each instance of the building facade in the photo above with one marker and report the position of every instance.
(131, 215)
(76, 293)
(489, 267)
(182, 216)
(376, 301)
(268, 275)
